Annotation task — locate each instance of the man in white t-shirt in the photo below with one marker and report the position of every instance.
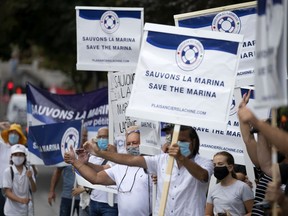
(99, 199)
(189, 179)
(133, 183)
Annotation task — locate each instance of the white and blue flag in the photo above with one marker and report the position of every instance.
(49, 142)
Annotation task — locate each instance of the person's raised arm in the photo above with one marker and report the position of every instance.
(83, 156)
(264, 152)
(274, 135)
(125, 159)
(89, 173)
(248, 138)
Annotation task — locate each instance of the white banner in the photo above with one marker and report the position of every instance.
(83, 182)
(120, 88)
(108, 39)
(185, 76)
(237, 19)
(271, 73)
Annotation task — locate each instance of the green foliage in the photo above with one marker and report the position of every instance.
(51, 25)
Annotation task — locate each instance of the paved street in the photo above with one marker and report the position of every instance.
(42, 208)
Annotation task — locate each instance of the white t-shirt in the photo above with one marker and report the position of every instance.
(230, 198)
(20, 187)
(98, 195)
(133, 189)
(5, 152)
(187, 195)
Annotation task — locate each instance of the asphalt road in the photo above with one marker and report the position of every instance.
(41, 206)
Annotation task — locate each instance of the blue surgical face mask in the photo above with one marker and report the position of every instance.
(13, 138)
(132, 150)
(184, 148)
(102, 143)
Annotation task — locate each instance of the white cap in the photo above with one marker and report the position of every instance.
(18, 148)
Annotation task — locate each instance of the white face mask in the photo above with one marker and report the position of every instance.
(18, 160)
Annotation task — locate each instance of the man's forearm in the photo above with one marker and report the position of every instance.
(96, 167)
(274, 135)
(124, 159)
(194, 169)
(86, 171)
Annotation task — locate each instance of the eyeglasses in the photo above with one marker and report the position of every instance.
(118, 189)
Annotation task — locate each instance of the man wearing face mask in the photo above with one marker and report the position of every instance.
(11, 135)
(189, 178)
(98, 199)
(133, 183)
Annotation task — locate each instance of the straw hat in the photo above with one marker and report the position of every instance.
(18, 129)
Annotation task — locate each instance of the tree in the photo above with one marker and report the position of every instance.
(51, 26)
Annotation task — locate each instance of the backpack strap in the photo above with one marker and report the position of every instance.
(12, 173)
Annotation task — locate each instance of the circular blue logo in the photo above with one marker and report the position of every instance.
(70, 138)
(189, 54)
(226, 21)
(109, 22)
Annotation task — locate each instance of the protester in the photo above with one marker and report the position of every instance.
(82, 192)
(230, 196)
(68, 189)
(259, 151)
(18, 183)
(274, 193)
(168, 130)
(10, 134)
(99, 199)
(133, 183)
(189, 178)
(68, 176)
(274, 135)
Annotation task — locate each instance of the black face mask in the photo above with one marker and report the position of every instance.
(221, 172)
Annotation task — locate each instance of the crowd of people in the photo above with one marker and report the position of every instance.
(134, 174)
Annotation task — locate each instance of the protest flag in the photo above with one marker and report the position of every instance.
(51, 141)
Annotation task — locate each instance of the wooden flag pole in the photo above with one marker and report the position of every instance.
(168, 174)
(275, 170)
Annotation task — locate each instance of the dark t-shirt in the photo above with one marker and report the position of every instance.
(284, 176)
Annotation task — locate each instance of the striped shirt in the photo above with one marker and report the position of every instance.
(260, 194)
